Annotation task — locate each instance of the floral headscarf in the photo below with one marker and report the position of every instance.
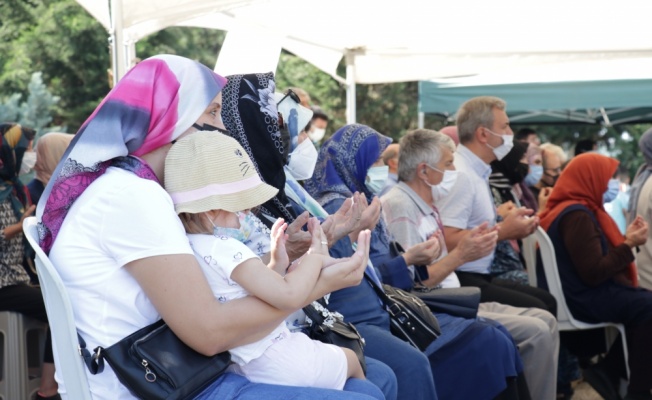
(249, 114)
(342, 166)
(158, 100)
(584, 181)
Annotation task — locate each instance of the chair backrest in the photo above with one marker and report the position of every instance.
(61, 319)
(549, 261)
(529, 252)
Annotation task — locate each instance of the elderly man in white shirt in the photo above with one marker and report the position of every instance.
(485, 136)
(426, 169)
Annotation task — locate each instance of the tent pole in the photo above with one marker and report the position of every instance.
(605, 117)
(130, 50)
(119, 51)
(114, 57)
(350, 87)
(421, 120)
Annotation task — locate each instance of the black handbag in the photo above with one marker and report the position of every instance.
(329, 327)
(410, 319)
(460, 302)
(153, 363)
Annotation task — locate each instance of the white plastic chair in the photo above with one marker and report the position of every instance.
(565, 319)
(61, 319)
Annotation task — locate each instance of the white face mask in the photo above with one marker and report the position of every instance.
(444, 187)
(29, 160)
(612, 191)
(316, 134)
(376, 177)
(302, 160)
(501, 151)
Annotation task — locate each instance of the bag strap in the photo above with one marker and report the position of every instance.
(95, 361)
(315, 316)
(391, 306)
(379, 290)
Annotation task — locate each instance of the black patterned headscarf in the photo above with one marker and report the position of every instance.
(249, 114)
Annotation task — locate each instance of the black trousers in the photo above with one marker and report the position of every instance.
(27, 300)
(508, 292)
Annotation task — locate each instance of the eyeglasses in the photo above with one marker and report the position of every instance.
(292, 95)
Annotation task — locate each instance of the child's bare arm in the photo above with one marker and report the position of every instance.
(289, 292)
(286, 291)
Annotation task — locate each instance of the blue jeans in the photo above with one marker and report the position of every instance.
(411, 366)
(382, 376)
(233, 386)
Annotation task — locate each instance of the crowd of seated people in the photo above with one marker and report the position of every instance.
(140, 200)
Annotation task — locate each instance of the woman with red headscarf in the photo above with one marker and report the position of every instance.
(596, 262)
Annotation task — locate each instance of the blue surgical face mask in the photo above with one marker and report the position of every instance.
(612, 191)
(534, 176)
(376, 177)
(240, 234)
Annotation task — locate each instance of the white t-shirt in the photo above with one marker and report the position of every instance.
(218, 257)
(118, 219)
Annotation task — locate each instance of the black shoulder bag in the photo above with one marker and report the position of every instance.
(329, 327)
(410, 319)
(153, 363)
(460, 302)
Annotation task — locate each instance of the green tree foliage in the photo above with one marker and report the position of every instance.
(197, 44)
(36, 111)
(59, 38)
(10, 108)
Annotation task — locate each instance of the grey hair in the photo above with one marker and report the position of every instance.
(475, 113)
(556, 150)
(421, 145)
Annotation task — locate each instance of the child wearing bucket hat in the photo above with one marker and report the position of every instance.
(213, 184)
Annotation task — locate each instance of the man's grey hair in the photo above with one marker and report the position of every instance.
(474, 113)
(418, 146)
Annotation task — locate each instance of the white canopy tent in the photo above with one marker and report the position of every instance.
(389, 41)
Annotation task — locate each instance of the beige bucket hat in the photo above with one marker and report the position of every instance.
(211, 171)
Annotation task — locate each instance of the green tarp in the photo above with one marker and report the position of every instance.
(610, 102)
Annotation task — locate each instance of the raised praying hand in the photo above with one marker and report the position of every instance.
(279, 256)
(636, 233)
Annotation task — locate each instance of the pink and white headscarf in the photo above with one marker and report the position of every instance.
(152, 105)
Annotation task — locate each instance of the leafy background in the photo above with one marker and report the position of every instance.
(55, 61)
